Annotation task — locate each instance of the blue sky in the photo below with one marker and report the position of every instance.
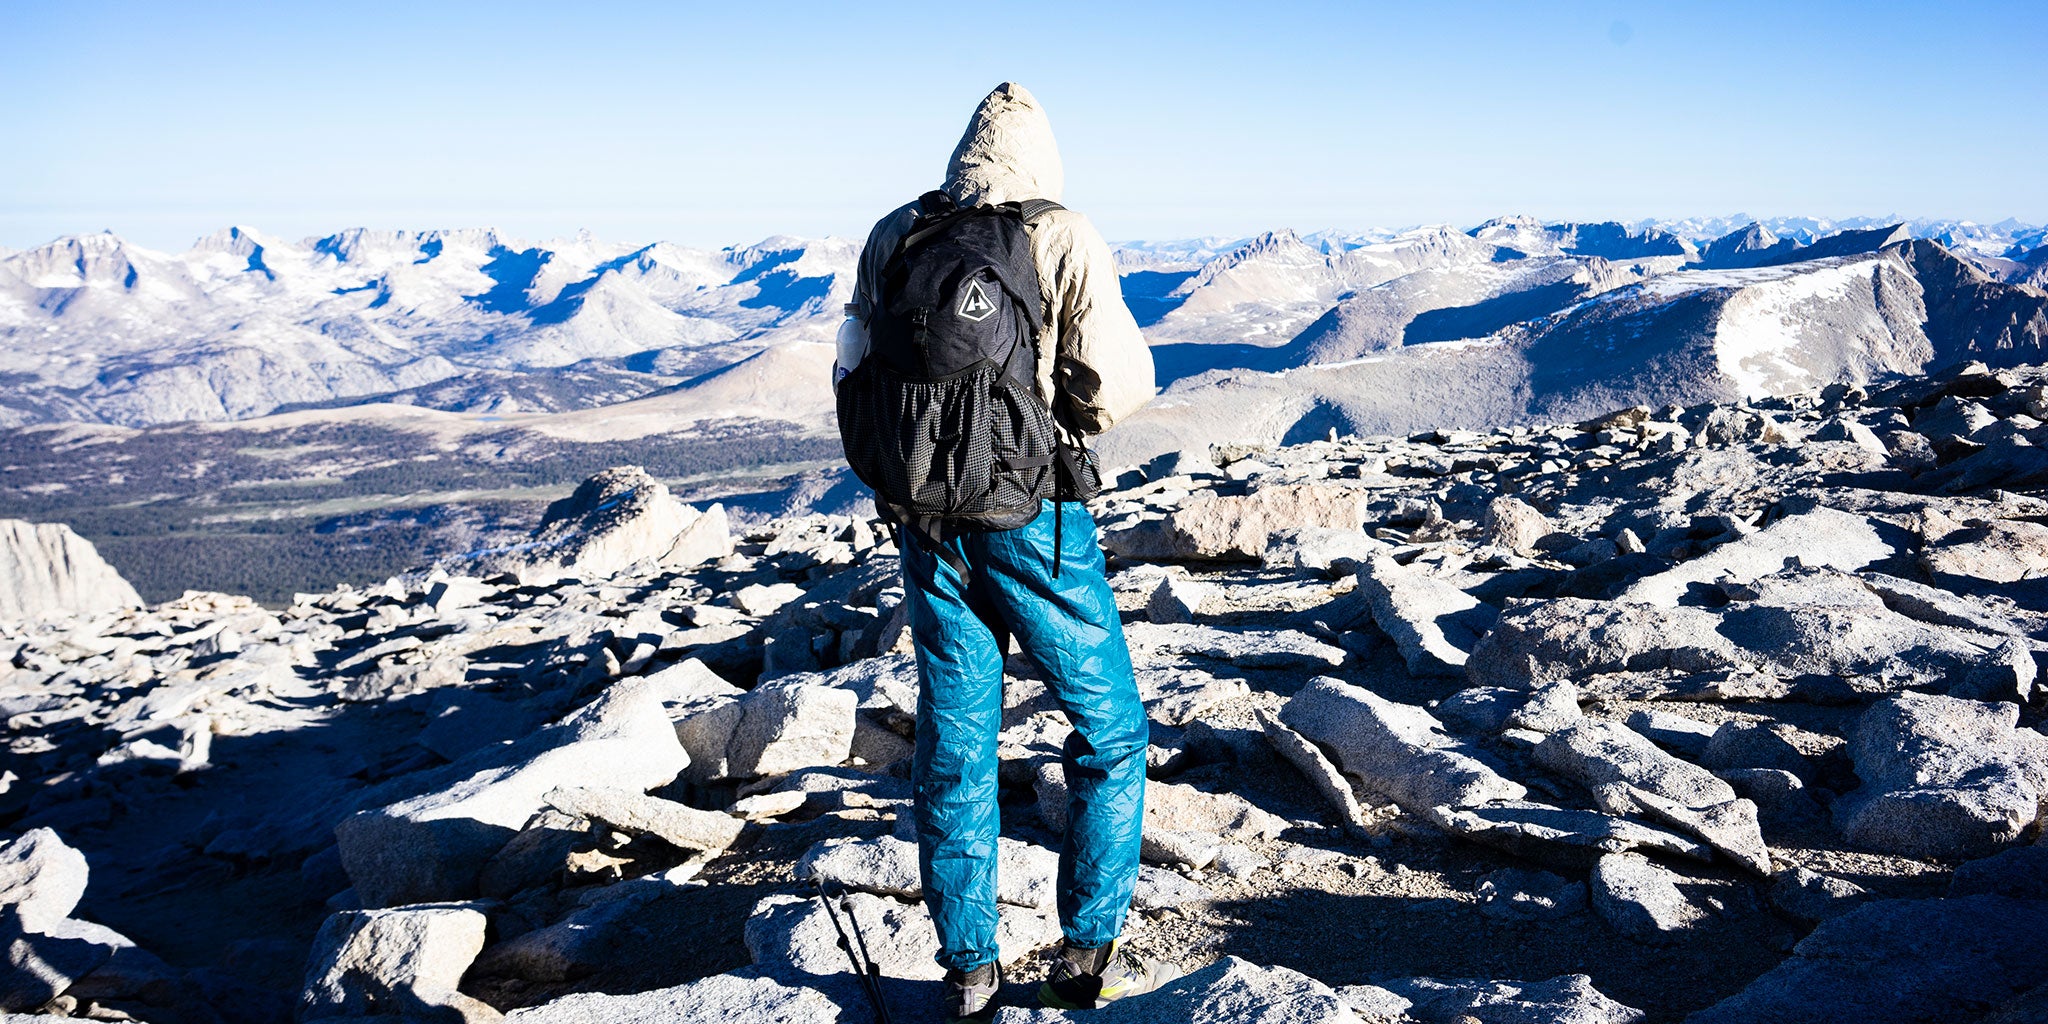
(714, 124)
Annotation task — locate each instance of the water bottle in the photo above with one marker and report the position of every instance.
(853, 346)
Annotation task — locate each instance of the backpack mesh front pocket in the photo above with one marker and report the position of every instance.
(1025, 463)
(973, 447)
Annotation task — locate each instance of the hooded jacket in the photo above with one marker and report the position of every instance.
(1093, 366)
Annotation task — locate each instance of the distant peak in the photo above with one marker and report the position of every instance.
(1282, 240)
(1282, 245)
(100, 242)
(778, 243)
(358, 243)
(237, 239)
(1518, 220)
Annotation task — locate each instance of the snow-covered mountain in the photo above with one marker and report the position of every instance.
(2025, 268)
(2006, 238)
(1561, 337)
(1529, 237)
(95, 328)
(1750, 246)
(1267, 290)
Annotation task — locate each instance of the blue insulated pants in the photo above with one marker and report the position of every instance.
(1069, 628)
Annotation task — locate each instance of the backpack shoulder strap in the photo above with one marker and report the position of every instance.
(1032, 209)
(937, 212)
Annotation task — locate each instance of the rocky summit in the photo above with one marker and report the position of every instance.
(1720, 713)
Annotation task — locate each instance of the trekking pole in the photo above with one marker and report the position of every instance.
(874, 973)
(870, 975)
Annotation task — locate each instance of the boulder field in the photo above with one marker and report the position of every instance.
(1722, 713)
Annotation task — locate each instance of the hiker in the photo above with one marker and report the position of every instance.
(988, 339)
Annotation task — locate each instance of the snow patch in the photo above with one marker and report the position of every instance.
(1761, 323)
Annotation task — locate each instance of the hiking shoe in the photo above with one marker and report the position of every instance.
(1084, 978)
(971, 995)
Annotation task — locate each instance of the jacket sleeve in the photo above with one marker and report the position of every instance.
(1104, 369)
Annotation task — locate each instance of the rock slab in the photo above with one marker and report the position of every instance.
(1640, 899)
(1567, 999)
(46, 569)
(36, 967)
(397, 961)
(615, 519)
(41, 878)
(772, 730)
(1599, 753)
(1398, 750)
(1944, 961)
(431, 847)
(792, 937)
(1238, 527)
(679, 825)
(1433, 623)
(748, 996)
(1823, 536)
(1308, 759)
(1229, 991)
(1943, 777)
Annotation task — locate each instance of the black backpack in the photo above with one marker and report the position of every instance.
(942, 417)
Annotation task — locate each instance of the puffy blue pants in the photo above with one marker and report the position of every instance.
(1069, 628)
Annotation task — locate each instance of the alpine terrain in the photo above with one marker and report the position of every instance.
(1722, 712)
(268, 416)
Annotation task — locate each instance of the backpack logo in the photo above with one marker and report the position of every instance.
(975, 304)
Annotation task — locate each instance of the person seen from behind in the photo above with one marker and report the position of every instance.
(986, 340)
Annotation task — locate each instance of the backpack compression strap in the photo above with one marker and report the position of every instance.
(935, 211)
(1031, 210)
(930, 530)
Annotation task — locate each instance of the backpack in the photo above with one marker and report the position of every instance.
(942, 417)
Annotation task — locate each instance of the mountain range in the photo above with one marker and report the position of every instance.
(344, 384)
(94, 328)
(1516, 321)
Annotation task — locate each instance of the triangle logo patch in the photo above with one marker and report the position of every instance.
(975, 304)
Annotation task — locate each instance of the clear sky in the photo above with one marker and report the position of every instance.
(711, 124)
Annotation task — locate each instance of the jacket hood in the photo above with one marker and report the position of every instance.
(1007, 154)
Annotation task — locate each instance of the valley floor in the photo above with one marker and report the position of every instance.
(274, 511)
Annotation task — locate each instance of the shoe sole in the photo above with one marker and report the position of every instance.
(983, 1018)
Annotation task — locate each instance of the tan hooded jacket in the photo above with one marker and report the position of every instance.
(1093, 366)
